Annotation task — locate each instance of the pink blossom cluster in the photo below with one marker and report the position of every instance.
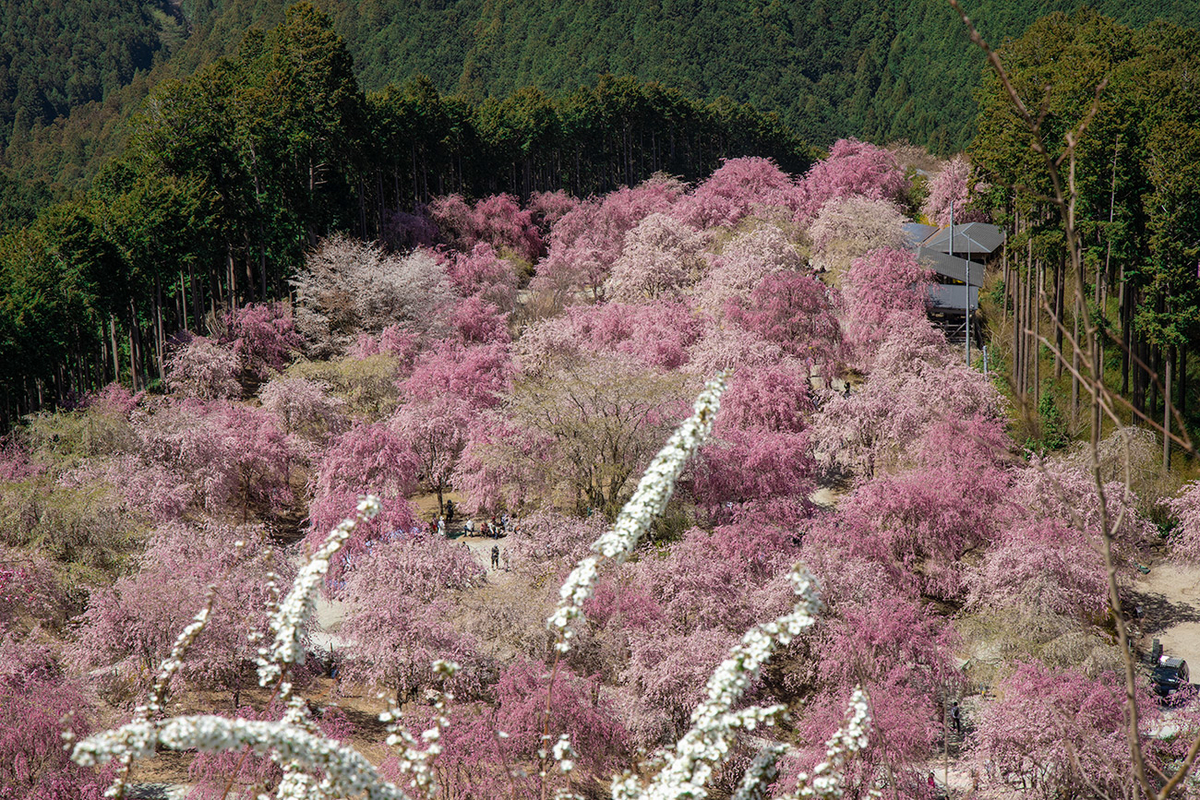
(532, 366)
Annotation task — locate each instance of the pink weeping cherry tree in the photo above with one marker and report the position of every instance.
(31, 594)
(263, 337)
(1043, 567)
(876, 426)
(477, 321)
(921, 522)
(497, 220)
(740, 187)
(759, 454)
(902, 656)
(484, 273)
(130, 627)
(37, 705)
(436, 431)
(368, 456)
(520, 763)
(1061, 731)
(878, 285)
(305, 408)
(1185, 508)
(399, 601)
(658, 333)
(548, 544)
(851, 168)
(952, 187)
(681, 611)
(795, 311)
(234, 456)
(477, 375)
(549, 207)
(450, 386)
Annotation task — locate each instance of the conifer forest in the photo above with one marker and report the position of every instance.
(469, 399)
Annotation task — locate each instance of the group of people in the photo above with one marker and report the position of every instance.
(494, 528)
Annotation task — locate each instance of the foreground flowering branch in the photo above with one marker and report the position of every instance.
(317, 768)
(715, 722)
(414, 759)
(826, 780)
(649, 500)
(290, 742)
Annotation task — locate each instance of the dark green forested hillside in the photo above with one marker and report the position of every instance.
(878, 69)
(57, 55)
(226, 176)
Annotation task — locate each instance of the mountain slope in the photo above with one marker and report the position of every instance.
(878, 69)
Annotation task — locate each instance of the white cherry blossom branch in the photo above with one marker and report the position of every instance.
(826, 779)
(292, 742)
(649, 500)
(714, 722)
(346, 772)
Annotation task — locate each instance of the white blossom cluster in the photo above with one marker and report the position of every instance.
(714, 722)
(346, 772)
(826, 780)
(648, 501)
(292, 742)
(289, 620)
(413, 759)
(564, 754)
(175, 660)
(760, 773)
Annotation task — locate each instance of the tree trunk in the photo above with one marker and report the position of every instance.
(116, 353)
(1075, 368)
(1059, 302)
(1037, 334)
(159, 334)
(1126, 337)
(1154, 362)
(1018, 354)
(1167, 413)
(1182, 370)
(1027, 322)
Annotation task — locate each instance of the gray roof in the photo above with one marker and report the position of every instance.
(971, 239)
(951, 299)
(949, 266)
(915, 233)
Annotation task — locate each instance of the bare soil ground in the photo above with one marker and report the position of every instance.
(1170, 598)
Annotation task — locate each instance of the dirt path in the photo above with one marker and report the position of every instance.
(481, 548)
(1170, 598)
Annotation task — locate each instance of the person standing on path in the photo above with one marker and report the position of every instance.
(495, 556)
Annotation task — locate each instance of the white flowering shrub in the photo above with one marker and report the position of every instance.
(317, 768)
